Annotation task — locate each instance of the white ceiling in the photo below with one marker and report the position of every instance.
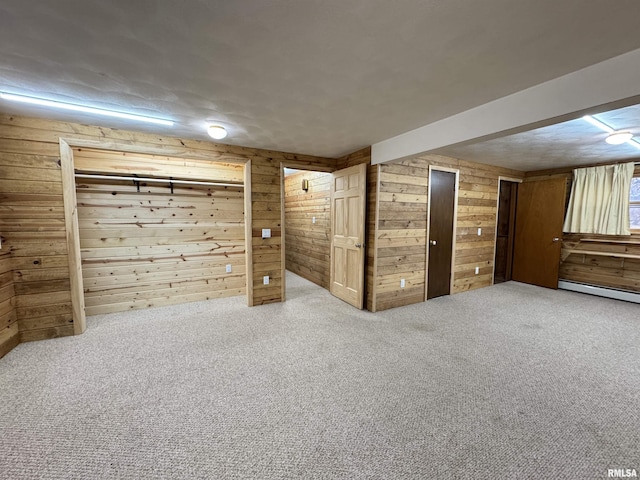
(323, 77)
(573, 143)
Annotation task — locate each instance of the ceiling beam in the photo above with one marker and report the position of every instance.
(613, 83)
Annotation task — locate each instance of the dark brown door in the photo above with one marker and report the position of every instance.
(538, 236)
(440, 242)
(505, 231)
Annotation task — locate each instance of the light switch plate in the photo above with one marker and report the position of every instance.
(402, 283)
(479, 231)
(313, 219)
(266, 233)
(265, 280)
(228, 268)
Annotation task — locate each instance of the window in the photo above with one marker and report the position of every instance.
(634, 202)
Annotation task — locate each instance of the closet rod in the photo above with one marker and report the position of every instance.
(158, 180)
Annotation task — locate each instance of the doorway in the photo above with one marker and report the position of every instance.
(323, 220)
(441, 234)
(505, 230)
(306, 226)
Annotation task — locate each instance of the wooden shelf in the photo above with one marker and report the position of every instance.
(569, 251)
(622, 242)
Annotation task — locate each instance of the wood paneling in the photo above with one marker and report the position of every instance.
(307, 243)
(33, 219)
(266, 213)
(371, 262)
(124, 163)
(184, 236)
(72, 233)
(401, 227)
(33, 225)
(401, 233)
(9, 336)
(600, 260)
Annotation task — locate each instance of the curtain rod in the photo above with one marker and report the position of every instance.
(158, 180)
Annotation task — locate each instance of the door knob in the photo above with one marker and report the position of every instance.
(358, 245)
(432, 242)
(556, 239)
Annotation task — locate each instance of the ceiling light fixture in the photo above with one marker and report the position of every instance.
(82, 108)
(217, 131)
(618, 138)
(614, 137)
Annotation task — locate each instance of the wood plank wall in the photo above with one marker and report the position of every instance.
(402, 227)
(34, 231)
(614, 261)
(402, 230)
(148, 245)
(308, 244)
(31, 188)
(151, 248)
(9, 336)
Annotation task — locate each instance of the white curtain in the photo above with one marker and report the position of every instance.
(599, 201)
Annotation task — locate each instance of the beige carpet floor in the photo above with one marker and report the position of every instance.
(507, 382)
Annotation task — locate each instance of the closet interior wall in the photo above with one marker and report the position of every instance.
(146, 244)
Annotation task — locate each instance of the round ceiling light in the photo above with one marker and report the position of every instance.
(618, 138)
(217, 131)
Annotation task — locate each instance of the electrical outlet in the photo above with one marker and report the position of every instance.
(479, 231)
(265, 280)
(477, 270)
(266, 233)
(228, 268)
(402, 283)
(313, 219)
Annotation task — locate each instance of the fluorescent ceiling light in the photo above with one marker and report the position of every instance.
(597, 123)
(634, 143)
(81, 108)
(618, 138)
(217, 131)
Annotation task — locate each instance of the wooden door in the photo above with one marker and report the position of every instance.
(442, 186)
(348, 203)
(539, 218)
(505, 231)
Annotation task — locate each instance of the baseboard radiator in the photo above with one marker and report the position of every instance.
(600, 291)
